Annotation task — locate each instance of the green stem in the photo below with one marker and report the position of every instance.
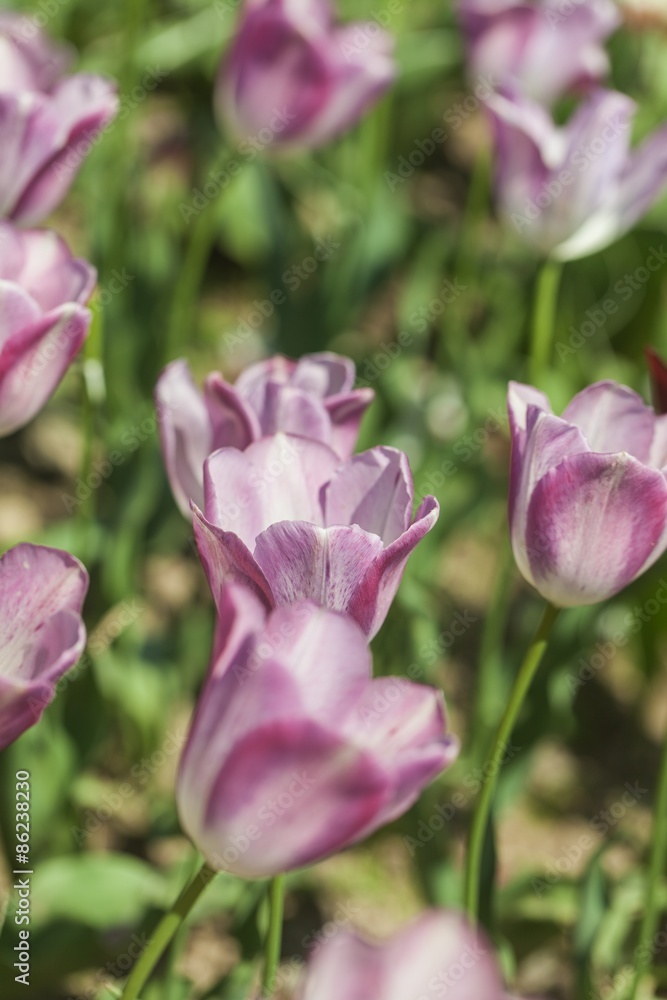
(544, 318)
(165, 932)
(275, 934)
(520, 689)
(658, 862)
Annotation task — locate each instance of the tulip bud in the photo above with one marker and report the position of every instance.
(295, 752)
(41, 632)
(588, 491)
(293, 78)
(43, 291)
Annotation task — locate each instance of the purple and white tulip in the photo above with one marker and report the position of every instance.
(43, 319)
(588, 491)
(293, 78)
(46, 120)
(295, 752)
(291, 522)
(572, 191)
(313, 398)
(437, 955)
(42, 634)
(541, 49)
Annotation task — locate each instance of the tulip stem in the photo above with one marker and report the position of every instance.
(544, 319)
(274, 935)
(520, 689)
(166, 931)
(646, 946)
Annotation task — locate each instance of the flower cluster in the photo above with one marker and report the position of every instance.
(569, 190)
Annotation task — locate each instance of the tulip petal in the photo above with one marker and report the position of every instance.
(594, 524)
(40, 262)
(373, 490)
(293, 411)
(34, 360)
(643, 179)
(276, 479)
(613, 418)
(233, 422)
(328, 565)
(346, 413)
(227, 560)
(186, 436)
(324, 374)
(18, 311)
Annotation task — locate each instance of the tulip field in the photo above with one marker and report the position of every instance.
(333, 500)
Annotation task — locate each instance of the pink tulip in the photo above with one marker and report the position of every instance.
(312, 397)
(437, 955)
(295, 752)
(46, 120)
(285, 518)
(572, 191)
(540, 48)
(41, 632)
(588, 493)
(43, 321)
(295, 79)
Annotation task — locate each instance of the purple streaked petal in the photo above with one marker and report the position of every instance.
(41, 263)
(373, 490)
(346, 413)
(186, 436)
(34, 360)
(613, 418)
(294, 411)
(226, 559)
(234, 424)
(276, 479)
(595, 522)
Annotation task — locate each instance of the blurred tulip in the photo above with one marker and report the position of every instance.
(41, 632)
(295, 752)
(658, 370)
(46, 120)
(437, 955)
(295, 79)
(572, 191)
(285, 518)
(540, 48)
(588, 493)
(312, 397)
(43, 322)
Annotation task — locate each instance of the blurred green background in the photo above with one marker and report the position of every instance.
(431, 297)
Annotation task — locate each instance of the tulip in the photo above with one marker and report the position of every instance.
(295, 79)
(312, 397)
(658, 371)
(588, 494)
(541, 49)
(437, 955)
(47, 120)
(285, 518)
(42, 635)
(295, 752)
(572, 191)
(43, 321)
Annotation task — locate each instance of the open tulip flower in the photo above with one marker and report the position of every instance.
(43, 319)
(41, 632)
(438, 955)
(588, 496)
(312, 397)
(46, 120)
(290, 521)
(293, 78)
(572, 191)
(542, 48)
(295, 752)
